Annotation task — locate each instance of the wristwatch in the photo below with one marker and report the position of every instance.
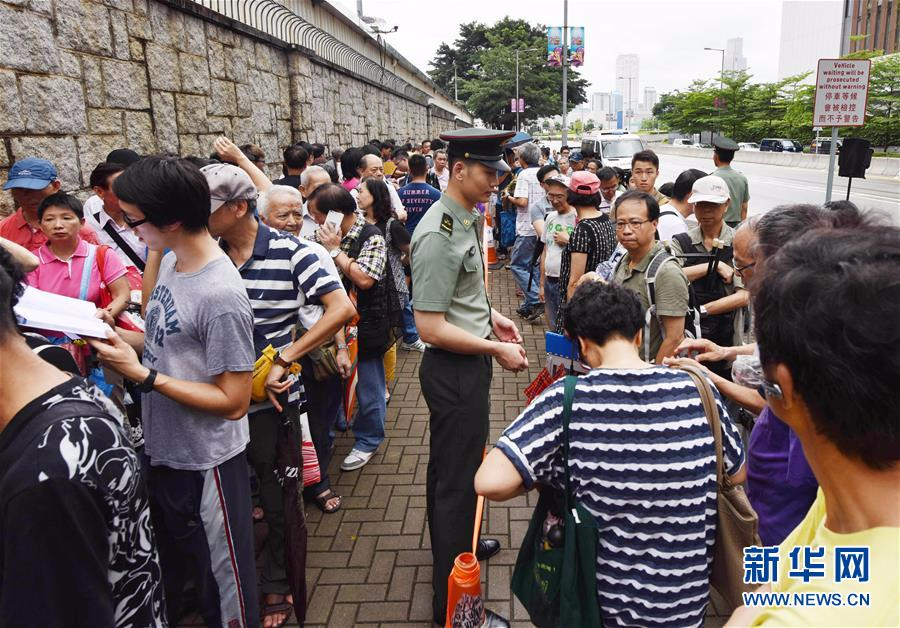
(335, 252)
(147, 385)
(280, 361)
(703, 312)
(340, 347)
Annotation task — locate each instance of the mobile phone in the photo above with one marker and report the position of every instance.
(334, 219)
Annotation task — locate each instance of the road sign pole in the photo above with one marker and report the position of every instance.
(832, 150)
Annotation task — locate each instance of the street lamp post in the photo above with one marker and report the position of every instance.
(565, 77)
(721, 75)
(455, 84)
(517, 82)
(630, 101)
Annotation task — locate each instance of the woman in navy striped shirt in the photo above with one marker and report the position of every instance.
(642, 461)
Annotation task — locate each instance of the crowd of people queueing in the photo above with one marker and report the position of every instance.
(129, 492)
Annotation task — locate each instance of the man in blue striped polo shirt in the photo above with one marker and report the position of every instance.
(281, 275)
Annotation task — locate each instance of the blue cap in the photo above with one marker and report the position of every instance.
(576, 156)
(32, 174)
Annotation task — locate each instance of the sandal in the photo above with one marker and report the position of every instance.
(281, 608)
(322, 502)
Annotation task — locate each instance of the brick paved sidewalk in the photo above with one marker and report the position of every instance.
(370, 563)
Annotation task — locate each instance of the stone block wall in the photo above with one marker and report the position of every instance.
(79, 78)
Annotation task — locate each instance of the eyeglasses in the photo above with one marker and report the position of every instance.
(634, 224)
(131, 222)
(740, 269)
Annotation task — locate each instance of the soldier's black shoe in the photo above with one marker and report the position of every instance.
(487, 548)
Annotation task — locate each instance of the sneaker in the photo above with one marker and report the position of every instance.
(356, 459)
(523, 310)
(418, 345)
(536, 312)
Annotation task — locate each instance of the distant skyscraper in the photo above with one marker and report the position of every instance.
(650, 99)
(734, 55)
(627, 68)
(810, 30)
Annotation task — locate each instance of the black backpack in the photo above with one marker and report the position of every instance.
(710, 287)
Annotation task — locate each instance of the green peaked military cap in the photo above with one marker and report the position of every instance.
(725, 143)
(484, 145)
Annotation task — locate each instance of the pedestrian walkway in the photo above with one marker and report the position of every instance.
(370, 563)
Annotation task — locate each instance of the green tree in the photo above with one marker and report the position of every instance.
(751, 111)
(882, 126)
(486, 70)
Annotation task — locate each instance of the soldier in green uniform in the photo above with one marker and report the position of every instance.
(738, 188)
(454, 317)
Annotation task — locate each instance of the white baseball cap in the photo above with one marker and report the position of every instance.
(709, 189)
(559, 179)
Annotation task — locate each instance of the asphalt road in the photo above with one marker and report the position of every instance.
(771, 186)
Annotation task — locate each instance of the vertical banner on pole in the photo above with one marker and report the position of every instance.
(554, 46)
(576, 46)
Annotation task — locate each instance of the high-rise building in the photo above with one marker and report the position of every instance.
(810, 30)
(734, 55)
(627, 66)
(650, 99)
(873, 26)
(600, 101)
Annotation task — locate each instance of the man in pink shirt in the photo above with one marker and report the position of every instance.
(31, 180)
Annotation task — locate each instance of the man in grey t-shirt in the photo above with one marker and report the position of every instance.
(195, 323)
(196, 378)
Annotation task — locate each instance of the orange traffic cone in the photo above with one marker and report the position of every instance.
(489, 247)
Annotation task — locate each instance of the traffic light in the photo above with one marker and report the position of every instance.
(855, 157)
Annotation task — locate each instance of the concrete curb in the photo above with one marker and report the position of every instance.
(881, 166)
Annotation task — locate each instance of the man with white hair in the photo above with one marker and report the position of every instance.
(528, 192)
(281, 207)
(312, 178)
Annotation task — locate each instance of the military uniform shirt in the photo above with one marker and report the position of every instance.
(448, 269)
(738, 191)
(671, 291)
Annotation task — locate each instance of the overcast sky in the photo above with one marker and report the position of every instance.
(668, 35)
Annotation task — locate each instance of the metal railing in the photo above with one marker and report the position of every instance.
(283, 24)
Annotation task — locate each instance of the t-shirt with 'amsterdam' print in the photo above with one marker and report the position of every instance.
(198, 325)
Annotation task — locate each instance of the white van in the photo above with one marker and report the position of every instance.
(612, 148)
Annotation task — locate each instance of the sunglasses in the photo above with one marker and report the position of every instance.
(131, 222)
